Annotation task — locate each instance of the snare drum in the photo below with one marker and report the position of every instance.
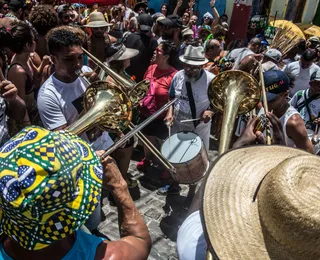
(187, 153)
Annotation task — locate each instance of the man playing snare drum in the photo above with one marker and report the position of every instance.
(191, 112)
(190, 86)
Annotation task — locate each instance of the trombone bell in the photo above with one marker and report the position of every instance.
(106, 106)
(235, 93)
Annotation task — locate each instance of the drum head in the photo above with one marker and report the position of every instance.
(182, 147)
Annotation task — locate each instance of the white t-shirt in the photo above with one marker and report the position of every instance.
(269, 65)
(298, 102)
(60, 103)
(301, 76)
(238, 54)
(3, 122)
(182, 110)
(191, 243)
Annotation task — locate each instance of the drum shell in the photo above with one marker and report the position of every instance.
(193, 170)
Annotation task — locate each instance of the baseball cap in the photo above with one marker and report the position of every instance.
(273, 54)
(314, 39)
(145, 21)
(315, 76)
(276, 82)
(172, 21)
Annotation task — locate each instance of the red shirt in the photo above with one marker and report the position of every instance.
(162, 81)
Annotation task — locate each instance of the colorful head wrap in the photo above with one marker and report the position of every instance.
(50, 183)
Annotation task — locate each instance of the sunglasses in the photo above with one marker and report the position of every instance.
(206, 18)
(186, 16)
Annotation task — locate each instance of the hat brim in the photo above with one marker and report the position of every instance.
(128, 54)
(97, 24)
(193, 62)
(167, 22)
(139, 5)
(229, 209)
(266, 55)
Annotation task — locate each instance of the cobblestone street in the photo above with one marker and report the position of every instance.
(162, 214)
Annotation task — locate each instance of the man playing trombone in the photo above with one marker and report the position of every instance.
(60, 97)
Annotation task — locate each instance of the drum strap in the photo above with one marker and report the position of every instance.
(191, 103)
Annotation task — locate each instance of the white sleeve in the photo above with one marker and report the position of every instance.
(50, 111)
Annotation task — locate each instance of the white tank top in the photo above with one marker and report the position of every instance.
(284, 119)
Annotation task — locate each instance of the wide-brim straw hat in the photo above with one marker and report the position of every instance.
(263, 202)
(96, 19)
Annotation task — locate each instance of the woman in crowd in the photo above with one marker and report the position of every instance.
(120, 24)
(165, 10)
(20, 39)
(43, 20)
(118, 57)
(160, 74)
(4, 9)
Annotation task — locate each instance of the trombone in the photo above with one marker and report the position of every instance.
(94, 111)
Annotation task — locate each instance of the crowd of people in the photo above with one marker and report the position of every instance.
(51, 180)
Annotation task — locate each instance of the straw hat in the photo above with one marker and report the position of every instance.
(96, 19)
(263, 202)
(194, 56)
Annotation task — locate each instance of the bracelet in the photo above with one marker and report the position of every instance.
(212, 6)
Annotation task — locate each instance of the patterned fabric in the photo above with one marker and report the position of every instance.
(50, 183)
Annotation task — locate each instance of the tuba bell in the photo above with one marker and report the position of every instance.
(234, 93)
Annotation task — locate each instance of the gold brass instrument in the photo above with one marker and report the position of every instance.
(106, 106)
(136, 92)
(234, 93)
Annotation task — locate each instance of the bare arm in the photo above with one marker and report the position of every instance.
(191, 4)
(175, 11)
(215, 14)
(135, 242)
(17, 76)
(297, 131)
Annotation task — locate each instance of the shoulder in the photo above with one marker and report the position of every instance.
(210, 76)
(294, 122)
(17, 69)
(47, 89)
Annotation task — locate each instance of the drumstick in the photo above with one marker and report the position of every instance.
(169, 129)
(265, 104)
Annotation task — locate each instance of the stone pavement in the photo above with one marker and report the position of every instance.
(162, 214)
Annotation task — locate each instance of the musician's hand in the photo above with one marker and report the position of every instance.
(317, 121)
(99, 153)
(248, 136)
(276, 125)
(112, 178)
(206, 116)
(168, 120)
(8, 90)
(91, 76)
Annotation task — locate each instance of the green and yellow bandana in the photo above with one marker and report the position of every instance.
(50, 183)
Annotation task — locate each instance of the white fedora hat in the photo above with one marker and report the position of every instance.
(96, 19)
(194, 56)
(262, 202)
